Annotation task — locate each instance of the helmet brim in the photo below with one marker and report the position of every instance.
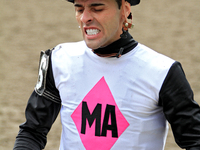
(132, 2)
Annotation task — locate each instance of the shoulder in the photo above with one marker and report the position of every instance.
(152, 66)
(152, 58)
(66, 55)
(71, 49)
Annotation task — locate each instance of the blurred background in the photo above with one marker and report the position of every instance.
(27, 27)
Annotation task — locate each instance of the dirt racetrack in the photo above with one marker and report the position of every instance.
(171, 27)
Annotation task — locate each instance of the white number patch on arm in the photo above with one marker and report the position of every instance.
(41, 82)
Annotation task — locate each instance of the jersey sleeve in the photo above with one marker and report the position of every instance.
(180, 109)
(46, 85)
(41, 112)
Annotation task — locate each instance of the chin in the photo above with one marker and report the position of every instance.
(92, 45)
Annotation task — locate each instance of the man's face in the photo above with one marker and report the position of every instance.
(100, 21)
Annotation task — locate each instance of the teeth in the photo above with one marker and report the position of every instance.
(92, 31)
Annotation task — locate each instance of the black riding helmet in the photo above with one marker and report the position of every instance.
(132, 2)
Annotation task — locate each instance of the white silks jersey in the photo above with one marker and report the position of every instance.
(110, 103)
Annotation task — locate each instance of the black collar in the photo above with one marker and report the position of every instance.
(117, 48)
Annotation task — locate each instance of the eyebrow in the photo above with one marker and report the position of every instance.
(97, 4)
(78, 5)
(91, 5)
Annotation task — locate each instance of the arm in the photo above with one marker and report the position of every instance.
(181, 111)
(40, 115)
(41, 111)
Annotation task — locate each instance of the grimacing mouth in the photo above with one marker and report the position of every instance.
(92, 31)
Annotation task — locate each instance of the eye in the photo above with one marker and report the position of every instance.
(97, 7)
(79, 10)
(98, 10)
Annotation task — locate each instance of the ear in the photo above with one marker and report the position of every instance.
(126, 9)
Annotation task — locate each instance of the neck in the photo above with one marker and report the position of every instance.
(117, 48)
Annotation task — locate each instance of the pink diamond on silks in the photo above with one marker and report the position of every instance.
(98, 119)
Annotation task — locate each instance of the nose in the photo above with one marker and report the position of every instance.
(86, 16)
